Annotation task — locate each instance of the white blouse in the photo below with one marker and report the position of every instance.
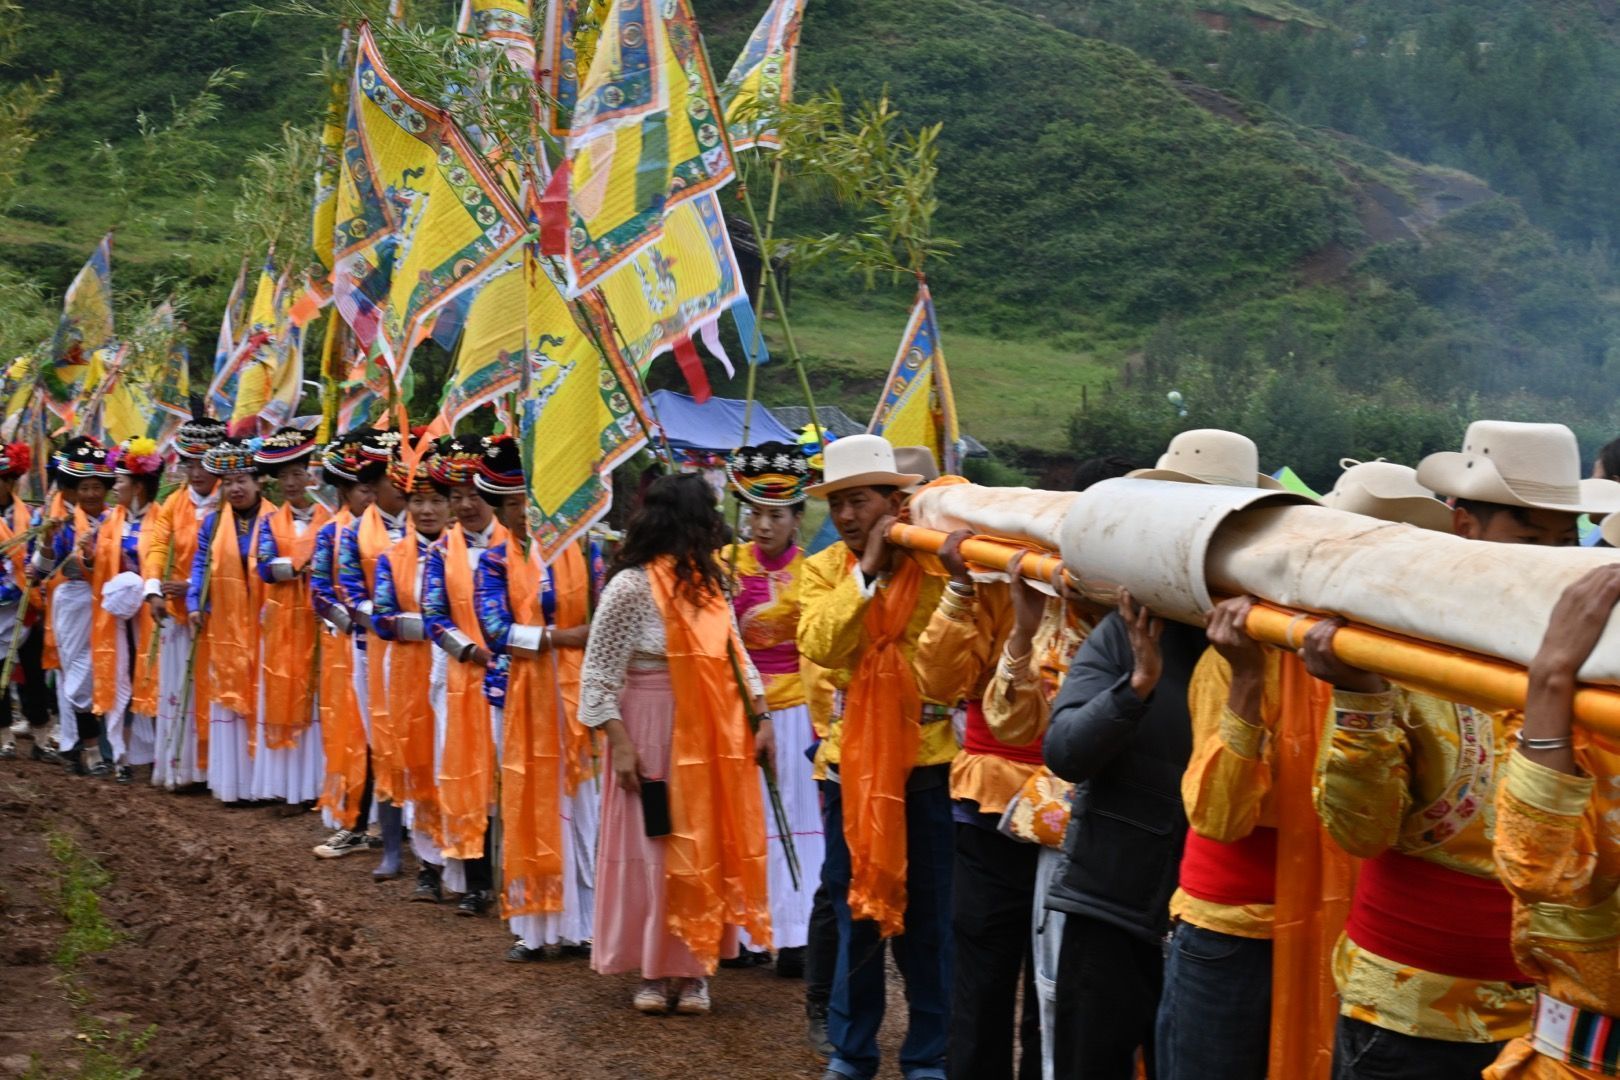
(627, 634)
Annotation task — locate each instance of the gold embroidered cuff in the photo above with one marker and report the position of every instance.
(1241, 737)
(1547, 790)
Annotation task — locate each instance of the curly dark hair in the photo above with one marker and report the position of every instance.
(677, 516)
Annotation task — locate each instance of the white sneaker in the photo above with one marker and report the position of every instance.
(694, 999)
(651, 997)
(341, 843)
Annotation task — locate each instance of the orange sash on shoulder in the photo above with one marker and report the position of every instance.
(104, 628)
(714, 859)
(290, 656)
(49, 661)
(410, 671)
(531, 757)
(235, 595)
(881, 733)
(19, 524)
(386, 771)
(343, 736)
(467, 769)
(1315, 881)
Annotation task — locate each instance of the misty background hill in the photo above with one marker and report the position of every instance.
(1345, 228)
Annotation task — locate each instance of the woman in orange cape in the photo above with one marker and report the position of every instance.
(121, 629)
(289, 763)
(224, 600)
(67, 559)
(662, 678)
(535, 619)
(168, 546)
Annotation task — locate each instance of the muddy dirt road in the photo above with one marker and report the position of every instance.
(255, 959)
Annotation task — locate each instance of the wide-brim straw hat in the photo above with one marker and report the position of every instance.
(1210, 456)
(857, 461)
(1536, 466)
(919, 460)
(1388, 492)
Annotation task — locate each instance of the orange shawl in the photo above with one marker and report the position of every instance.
(1315, 880)
(291, 657)
(104, 628)
(410, 671)
(18, 525)
(714, 859)
(531, 757)
(235, 597)
(343, 736)
(466, 771)
(882, 730)
(49, 661)
(386, 769)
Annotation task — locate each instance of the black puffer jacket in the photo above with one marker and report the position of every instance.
(1126, 757)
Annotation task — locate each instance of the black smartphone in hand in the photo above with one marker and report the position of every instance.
(655, 808)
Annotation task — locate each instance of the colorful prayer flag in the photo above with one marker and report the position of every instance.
(509, 23)
(419, 216)
(329, 162)
(678, 285)
(86, 325)
(143, 392)
(645, 137)
(580, 412)
(916, 407)
(567, 47)
(254, 363)
(489, 360)
(222, 388)
(762, 77)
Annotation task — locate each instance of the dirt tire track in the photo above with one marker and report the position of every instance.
(257, 960)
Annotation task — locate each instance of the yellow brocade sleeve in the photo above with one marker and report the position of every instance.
(1541, 851)
(1558, 853)
(1227, 785)
(160, 526)
(958, 649)
(830, 608)
(1363, 782)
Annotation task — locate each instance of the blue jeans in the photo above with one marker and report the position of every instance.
(1215, 1015)
(922, 953)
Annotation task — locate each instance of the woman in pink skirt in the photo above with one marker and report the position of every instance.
(661, 678)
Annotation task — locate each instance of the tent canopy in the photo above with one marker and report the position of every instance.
(716, 425)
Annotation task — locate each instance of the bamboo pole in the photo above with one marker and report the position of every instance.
(1471, 678)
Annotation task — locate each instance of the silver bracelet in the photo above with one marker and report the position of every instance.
(1562, 742)
(545, 638)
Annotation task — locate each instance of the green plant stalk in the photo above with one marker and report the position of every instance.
(157, 627)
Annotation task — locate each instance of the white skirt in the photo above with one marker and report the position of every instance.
(230, 768)
(176, 750)
(790, 907)
(71, 605)
(292, 774)
(422, 843)
(572, 925)
(131, 735)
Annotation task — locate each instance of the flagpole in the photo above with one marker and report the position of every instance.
(767, 273)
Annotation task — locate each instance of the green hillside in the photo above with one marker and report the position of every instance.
(1126, 227)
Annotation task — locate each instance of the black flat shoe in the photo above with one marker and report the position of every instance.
(428, 890)
(125, 774)
(520, 953)
(747, 958)
(472, 904)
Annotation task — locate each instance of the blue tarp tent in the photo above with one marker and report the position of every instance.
(716, 425)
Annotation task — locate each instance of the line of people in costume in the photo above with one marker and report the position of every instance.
(1092, 841)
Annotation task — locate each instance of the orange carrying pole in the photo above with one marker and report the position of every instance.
(1484, 682)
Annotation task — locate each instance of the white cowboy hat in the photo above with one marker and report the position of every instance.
(860, 461)
(1389, 492)
(916, 459)
(1210, 456)
(1531, 465)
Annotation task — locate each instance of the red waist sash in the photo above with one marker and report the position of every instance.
(1426, 916)
(1236, 874)
(979, 740)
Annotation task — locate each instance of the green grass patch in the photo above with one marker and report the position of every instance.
(106, 1049)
